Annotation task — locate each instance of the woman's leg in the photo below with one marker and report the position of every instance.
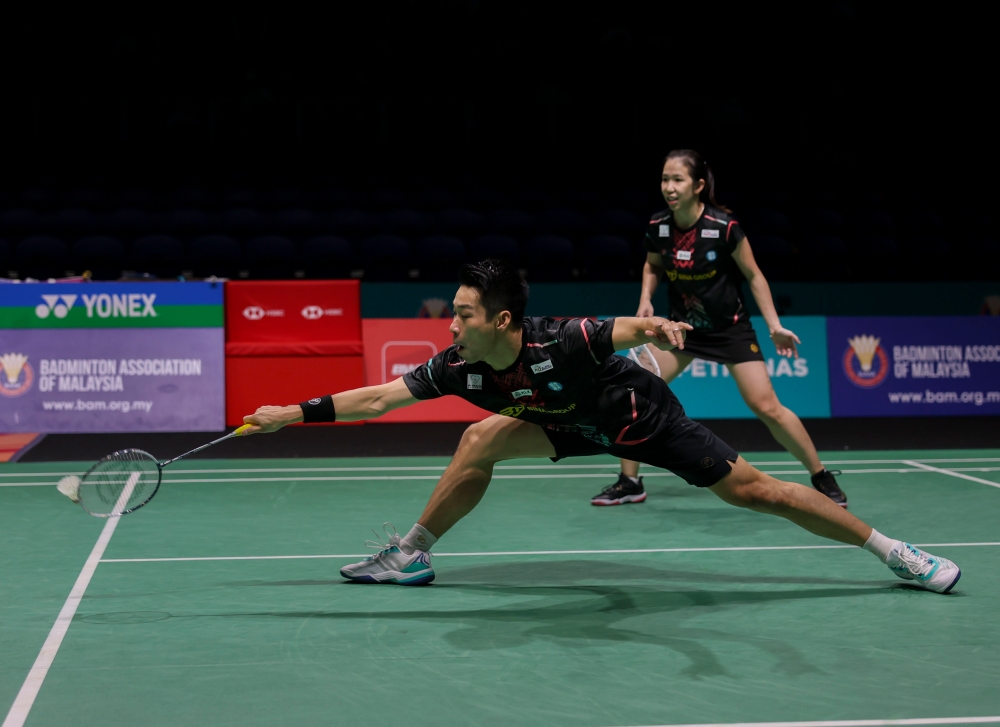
(756, 389)
(671, 363)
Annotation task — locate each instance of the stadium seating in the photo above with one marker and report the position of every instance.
(216, 255)
(386, 257)
(498, 247)
(327, 256)
(271, 257)
(159, 255)
(439, 257)
(607, 257)
(103, 256)
(42, 257)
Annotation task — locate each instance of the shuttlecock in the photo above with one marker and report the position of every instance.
(70, 486)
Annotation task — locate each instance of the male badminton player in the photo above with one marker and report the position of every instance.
(699, 246)
(559, 391)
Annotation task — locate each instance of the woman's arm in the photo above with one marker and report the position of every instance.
(784, 340)
(351, 406)
(652, 273)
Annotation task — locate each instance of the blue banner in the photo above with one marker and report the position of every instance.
(943, 366)
(707, 390)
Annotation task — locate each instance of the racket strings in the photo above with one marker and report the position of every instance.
(120, 482)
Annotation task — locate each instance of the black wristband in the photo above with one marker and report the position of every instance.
(319, 410)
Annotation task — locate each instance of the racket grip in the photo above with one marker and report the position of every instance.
(242, 430)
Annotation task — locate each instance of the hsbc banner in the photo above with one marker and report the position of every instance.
(707, 390)
(942, 366)
(395, 346)
(293, 312)
(110, 357)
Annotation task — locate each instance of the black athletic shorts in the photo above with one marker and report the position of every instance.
(736, 344)
(688, 449)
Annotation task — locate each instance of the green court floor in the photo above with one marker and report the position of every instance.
(220, 603)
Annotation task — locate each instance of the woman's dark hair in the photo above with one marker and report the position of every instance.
(500, 288)
(698, 169)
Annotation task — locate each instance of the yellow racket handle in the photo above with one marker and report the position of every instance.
(242, 430)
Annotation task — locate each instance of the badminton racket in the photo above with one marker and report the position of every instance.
(124, 481)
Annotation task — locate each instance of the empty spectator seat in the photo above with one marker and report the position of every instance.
(327, 257)
(130, 222)
(497, 247)
(103, 256)
(405, 222)
(187, 221)
(620, 222)
(439, 257)
(350, 223)
(385, 257)
(460, 222)
(218, 255)
(295, 222)
(158, 255)
(42, 257)
(565, 222)
(241, 221)
(19, 222)
(549, 257)
(74, 222)
(271, 257)
(609, 257)
(517, 223)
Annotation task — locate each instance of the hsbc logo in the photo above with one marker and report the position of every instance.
(314, 312)
(256, 313)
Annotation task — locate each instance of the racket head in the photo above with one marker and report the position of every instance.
(120, 483)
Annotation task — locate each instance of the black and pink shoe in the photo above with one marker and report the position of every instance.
(622, 492)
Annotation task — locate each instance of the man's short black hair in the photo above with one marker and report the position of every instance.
(500, 287)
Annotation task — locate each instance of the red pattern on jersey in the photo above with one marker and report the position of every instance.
(516, 380)
(685, 241)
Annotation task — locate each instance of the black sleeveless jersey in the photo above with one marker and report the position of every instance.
(566, 377)
(704, 282)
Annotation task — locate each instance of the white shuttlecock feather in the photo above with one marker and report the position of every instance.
(70, 486)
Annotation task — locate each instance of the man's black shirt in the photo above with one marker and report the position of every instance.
(704, 282)
(566, 376)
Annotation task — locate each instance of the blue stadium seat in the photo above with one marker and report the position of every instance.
(609, 257)
(549, 257)
(74, 222)
(296, 222)
(271, 257)
(326, 257)
(512, 222)
(498, 247)
(187, 221)
(130, 221)
(159, 255)
(461, 222)
(406, 222)
(565, 222)
(17, 222)
(241, 221)
(217, 255)
(386, 257)
(620, 222)
(42, 257)
(439, 257)
(103, 256)
(350, 223)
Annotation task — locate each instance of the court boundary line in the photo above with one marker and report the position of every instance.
(335, 556)
(26, 696)
(846, 722)
(789, 463)
(951, 472)
(547, 476)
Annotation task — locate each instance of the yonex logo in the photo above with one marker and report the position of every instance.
(52, 305)
(315, 401)
(253, 313)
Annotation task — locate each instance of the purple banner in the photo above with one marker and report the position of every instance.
(947, 366)
(112, 380)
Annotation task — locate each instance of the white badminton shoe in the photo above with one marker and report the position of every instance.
(926, 570)
(392, 565)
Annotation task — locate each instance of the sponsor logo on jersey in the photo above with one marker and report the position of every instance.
(511, 411)
(710, 233)
(683, 255)
(664, 230)
(555, 386)
(866, 363)
(674, 275)
(475, 381)
(543, 366)
(710, 255)
(16, 374)
(754, 347)
(520, 393)
(707, 462)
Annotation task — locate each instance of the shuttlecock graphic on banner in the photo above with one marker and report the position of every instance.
(17, 374)
(435, 308)
(864, 348)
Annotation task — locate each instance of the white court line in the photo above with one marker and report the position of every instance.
(29, 690)
(551, 476)
(848, 722)
(951, 472)
(440, 468)
(737, 549)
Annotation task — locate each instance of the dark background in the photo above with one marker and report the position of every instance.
(845, 105)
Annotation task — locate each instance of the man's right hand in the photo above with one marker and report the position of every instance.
(272, 418)
(645, 309)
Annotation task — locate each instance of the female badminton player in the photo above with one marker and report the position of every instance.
(699, 246)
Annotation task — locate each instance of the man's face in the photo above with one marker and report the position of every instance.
(471, 329)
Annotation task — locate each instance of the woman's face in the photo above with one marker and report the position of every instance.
(679, 190)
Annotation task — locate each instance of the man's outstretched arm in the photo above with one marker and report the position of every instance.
(664, 334)
(350, 406)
